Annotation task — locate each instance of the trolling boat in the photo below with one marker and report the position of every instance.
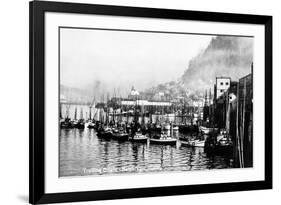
(187, 128)
(187, 137)
(223, 141)
(91, 124)
(194, 143)
(220, 144)
(208, 130)
(120, 134)
(104, 132)
(80, 124)
(139, 137)
(65, 123)
(163, 139)
(155, 127)
(74, 122)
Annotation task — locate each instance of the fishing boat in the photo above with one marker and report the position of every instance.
(91, 124)
(163, 139)
(221, 144)
(224, 142)
(194, 143)
(207, 130)
(74, 123)
(104, 132)
(187, 128)
(65, 123)
(185, 137)
(80, 124)
(120, 134)
(155, 127)
(139, 137)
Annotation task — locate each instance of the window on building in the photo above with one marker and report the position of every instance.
(226, 83)
(221, 83)
(221, 91)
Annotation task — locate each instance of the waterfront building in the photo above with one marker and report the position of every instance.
(134, 94)
(222, 84)
(233, 111)
(128, 102)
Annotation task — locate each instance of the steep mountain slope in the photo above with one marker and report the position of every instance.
(225, 56)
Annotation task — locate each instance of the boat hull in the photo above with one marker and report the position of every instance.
(206, 130)
(163, 141)
(120, 137)
(80, 126)
(219, 150)
(91, 126)
(141, 140)
(193, 143)
(188, 128)
(103, 134)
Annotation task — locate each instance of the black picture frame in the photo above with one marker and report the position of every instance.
(37, 10)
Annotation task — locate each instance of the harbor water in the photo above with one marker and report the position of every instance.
(82, 153)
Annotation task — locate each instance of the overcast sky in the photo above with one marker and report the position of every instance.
(122, 59)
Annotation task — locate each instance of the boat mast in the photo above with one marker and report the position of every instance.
(67, 111)
(107, 109)
(90, 112)
(75, 113)
(81, 113)
(114, 93)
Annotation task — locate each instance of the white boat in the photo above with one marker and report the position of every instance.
(91, 125)
(207, 130)
(139, 137)
(163, 139)
(194, 143)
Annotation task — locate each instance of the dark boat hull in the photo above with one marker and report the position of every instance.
(80, 126)
(140, 140)
(105, 135)
(219, 150)
(66, 126)
(188, 128)
(91, 126)
(163, 142)
(120, 137)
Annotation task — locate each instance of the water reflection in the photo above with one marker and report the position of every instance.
(83, 153)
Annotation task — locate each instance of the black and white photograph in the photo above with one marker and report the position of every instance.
(140, 102)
